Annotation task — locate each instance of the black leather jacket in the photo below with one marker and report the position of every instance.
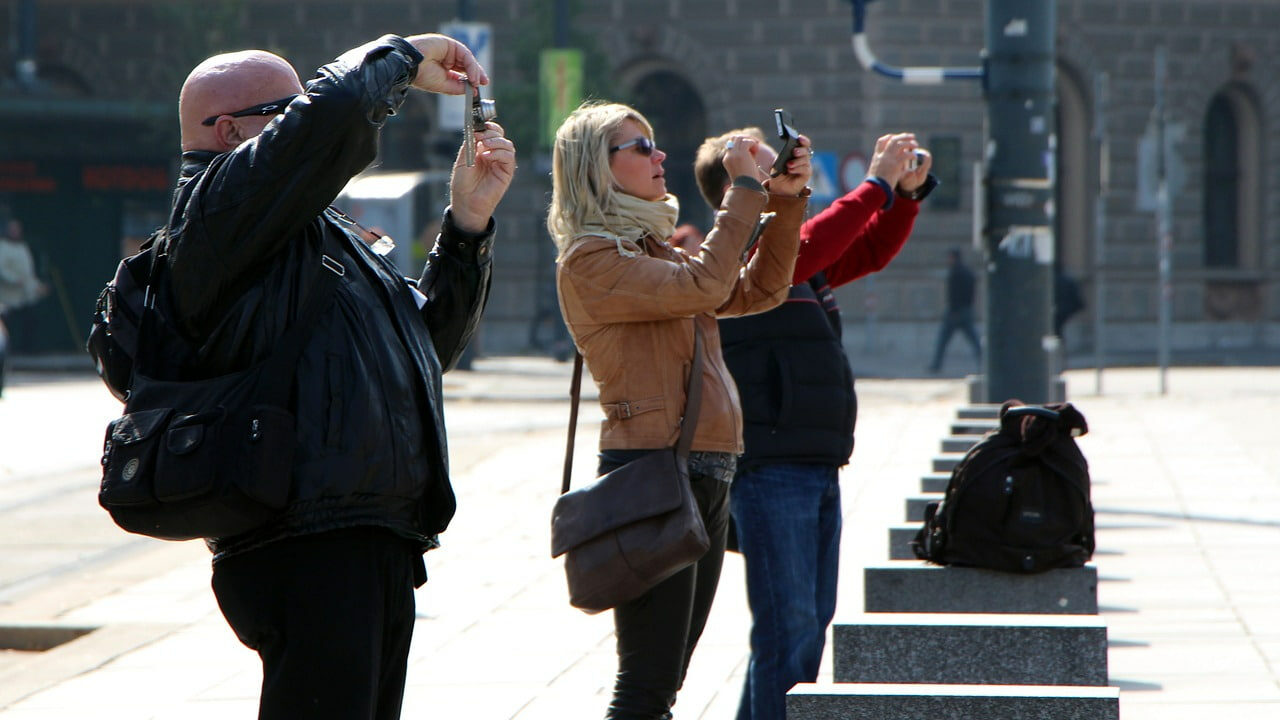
(244, 248)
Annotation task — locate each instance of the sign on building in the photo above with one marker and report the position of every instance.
(560, 89)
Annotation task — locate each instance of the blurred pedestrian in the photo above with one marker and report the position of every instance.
(960, 290)
(632, 302)
(1067, 300)
(19, 284)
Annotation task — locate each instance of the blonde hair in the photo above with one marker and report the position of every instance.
(708, 164)
(583, 192)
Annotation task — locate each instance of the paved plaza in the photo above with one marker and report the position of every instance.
(1186, 490)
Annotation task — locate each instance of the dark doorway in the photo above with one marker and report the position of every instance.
(1221, 182)
(679, 121)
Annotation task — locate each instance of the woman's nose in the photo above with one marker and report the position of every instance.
(658, 156)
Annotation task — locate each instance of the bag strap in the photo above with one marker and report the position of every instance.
(274, 384)
(283, 361)
(693, 404)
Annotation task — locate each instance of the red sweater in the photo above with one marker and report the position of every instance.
(853, 237)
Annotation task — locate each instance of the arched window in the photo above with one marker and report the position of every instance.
(679, 119)
(1221, 185)
(1233, 180)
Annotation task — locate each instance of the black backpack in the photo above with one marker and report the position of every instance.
(113, 335)
(1019, 499)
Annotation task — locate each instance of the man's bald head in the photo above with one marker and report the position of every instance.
(224, 84)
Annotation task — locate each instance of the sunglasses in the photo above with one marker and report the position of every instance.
(643, 145)
(275, 107)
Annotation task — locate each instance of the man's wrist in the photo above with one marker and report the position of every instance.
(921, 191)
(885, 186)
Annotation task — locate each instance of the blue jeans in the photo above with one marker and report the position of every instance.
(788, 521)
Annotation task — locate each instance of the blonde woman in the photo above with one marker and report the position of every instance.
(631, 300)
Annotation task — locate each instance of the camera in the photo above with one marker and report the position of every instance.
(790, 140)
(916, 158)
(479, 111)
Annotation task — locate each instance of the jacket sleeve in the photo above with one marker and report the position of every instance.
(853, 237)
(242, 210)
(610, 287)
(456, 282)
(764, 283)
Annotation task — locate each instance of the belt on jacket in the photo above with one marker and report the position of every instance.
(630, 408)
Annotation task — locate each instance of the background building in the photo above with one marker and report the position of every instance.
(88, 143)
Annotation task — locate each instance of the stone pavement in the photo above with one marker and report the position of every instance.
(1187, 494)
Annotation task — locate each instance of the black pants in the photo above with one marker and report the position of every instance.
(657, 632)
(331, 616)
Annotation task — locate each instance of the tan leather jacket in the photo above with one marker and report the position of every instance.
(632, 319)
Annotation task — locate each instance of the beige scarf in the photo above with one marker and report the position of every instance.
(633, 219)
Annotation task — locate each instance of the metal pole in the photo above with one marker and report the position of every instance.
(1019, 86)
(1101, 92)
(1164, 222)
(562, 23)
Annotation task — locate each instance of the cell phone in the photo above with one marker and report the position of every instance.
(790, 138)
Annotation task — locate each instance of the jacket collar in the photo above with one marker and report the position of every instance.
(195, 161)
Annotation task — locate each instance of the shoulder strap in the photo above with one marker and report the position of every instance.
(693, 404)
(274, 384)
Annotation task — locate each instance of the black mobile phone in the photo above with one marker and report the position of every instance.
(790, 140)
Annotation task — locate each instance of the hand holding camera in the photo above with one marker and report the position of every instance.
(900, 161)
(446, 64)
(740, 157)
(793, 168)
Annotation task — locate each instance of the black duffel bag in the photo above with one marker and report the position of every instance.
(210, 457)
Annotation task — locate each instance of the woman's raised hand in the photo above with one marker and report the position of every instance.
(740, 157)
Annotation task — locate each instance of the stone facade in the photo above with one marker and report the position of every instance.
(741, 58)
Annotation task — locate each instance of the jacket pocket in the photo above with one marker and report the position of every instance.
(337, 410)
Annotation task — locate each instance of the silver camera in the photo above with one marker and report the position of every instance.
(916, 158)
(479, 111)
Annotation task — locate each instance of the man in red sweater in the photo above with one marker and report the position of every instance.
(799, 409)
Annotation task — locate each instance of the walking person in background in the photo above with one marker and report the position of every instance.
(799, 410)
(19, 284)
(631, 301)
(959, 312)
(325, 592)
(1067, 300)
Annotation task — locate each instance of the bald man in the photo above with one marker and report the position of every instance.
(324, 592)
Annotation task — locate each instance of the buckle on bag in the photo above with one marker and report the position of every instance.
(333, 265)
(624, 410)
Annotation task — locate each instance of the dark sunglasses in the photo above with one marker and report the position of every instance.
(275, 107)
(643, 145)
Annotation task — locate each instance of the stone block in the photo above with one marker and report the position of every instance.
(859, 701)
(984, 411)
(946, 462)
(973, 427)
(959, 443)
(971, 648)
(912, 587)
(935, 482)
(916, 505)
(900, 537)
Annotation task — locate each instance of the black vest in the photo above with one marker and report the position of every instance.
(795, 383)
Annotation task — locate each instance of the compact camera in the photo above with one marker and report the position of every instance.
(479, 111)
(790, 138)
(916, 158)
